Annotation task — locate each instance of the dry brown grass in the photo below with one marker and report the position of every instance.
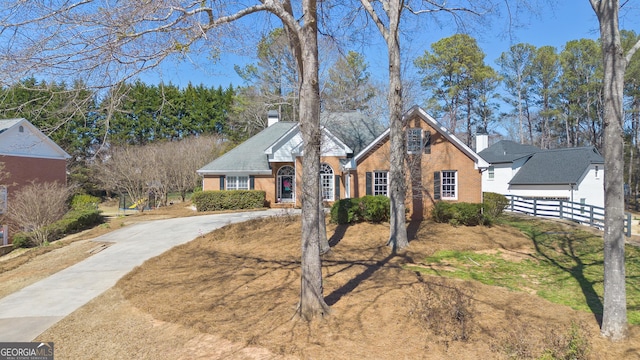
(232, 295)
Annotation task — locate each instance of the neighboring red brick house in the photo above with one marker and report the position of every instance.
(441, 167)
(28, 156)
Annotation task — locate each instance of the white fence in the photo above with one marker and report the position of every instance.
(563, 209)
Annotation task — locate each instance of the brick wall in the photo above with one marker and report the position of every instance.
(420, 171)
(23, 170)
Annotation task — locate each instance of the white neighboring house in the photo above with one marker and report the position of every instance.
(573, 174)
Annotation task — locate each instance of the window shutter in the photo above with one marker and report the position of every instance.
(252, 182)
(427, 142)
(221, 182)
(337, 187)
(369, 183)
(436, 185)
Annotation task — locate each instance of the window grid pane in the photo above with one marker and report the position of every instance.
(237, 183)
(380, 183)
(414, 141)
(448, 184)
(326, 182)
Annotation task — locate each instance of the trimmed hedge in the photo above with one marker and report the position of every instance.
(494, 204)
(228, 200)
(72, 222)
(374, 209)
(460, 213)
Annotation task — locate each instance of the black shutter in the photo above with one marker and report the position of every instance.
(427, 142)
(369, 183)
(436, 185)
(252, 182)
(337, 187)
(221, 182)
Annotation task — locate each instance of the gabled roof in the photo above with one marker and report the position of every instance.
(558, 166)
(506, 151)
(8, 123)
(279, 142)
(417, 111)
(19, 137)
(249, 157)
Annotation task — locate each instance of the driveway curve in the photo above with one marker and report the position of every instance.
(27, 313)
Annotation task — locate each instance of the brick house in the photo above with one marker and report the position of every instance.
(271, 161)
(28, 156)
(441, 167)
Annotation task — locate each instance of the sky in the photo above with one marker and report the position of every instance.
(566, 20)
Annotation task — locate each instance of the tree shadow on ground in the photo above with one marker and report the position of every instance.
(576, 268)
(370, 269)
(338, 234)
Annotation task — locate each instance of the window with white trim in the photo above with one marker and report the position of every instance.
(597, 172)
(327, 182)
(414, 141)
(237, 182)
(449, 184)
(492, 173)
(381, 183)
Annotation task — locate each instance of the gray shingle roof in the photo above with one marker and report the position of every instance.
(505, 151)
(353, 128)
(249, 157)
(559, 166)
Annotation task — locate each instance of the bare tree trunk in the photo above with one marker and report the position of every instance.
(312, 302)
(614, 319)
(398, 238)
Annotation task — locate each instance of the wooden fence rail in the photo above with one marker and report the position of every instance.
(563, 209)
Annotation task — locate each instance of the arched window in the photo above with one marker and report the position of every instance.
(286, 184)
(327, 182)
(21, 128)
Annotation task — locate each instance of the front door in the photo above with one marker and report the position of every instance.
(286, 184)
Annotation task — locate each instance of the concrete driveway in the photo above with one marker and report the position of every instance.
(27, 313)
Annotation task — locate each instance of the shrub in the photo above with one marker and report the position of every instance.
(75, 221)
(21, 240)
(458, 213)
(494, 204)
(228, 200)
(374, 209)
(84, 201)
(72, 222)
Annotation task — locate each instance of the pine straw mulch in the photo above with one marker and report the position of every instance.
(232, 294)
